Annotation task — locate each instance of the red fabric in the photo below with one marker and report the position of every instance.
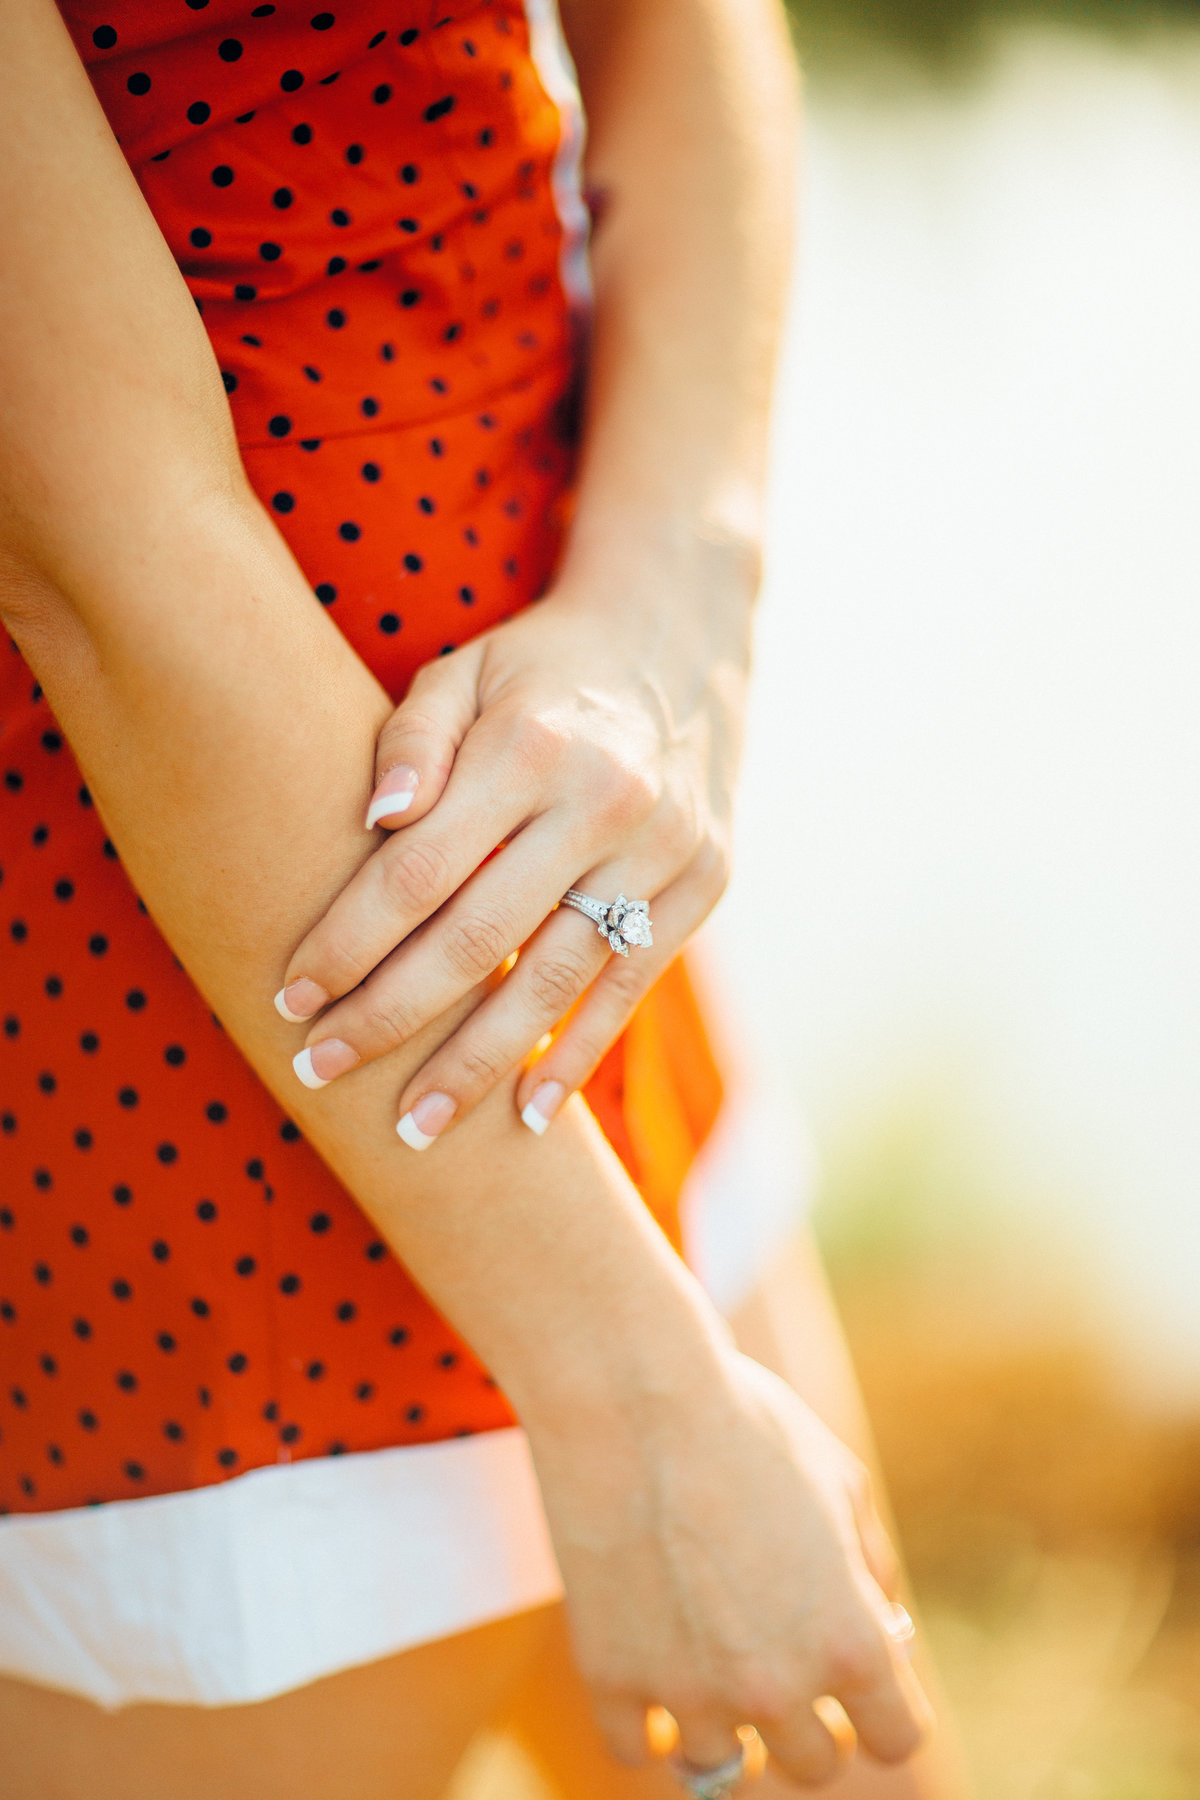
(361, 203)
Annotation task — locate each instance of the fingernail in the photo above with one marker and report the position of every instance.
(545, 1103)
(300, 1000)
(430, 1116)
(394, 794)
(324, 1062)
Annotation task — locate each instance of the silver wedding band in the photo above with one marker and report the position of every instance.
(710, 1784)
(623, 922)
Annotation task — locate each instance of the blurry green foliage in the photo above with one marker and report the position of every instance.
(949, 35)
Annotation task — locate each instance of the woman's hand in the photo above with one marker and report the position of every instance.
(592, 740)
(724, 1559)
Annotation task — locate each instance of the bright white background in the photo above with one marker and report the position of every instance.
(969, 850)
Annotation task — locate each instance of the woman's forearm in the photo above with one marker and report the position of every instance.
(691, 147)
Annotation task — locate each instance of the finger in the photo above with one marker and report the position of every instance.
(416, 749)
(494, 911)
(880, 1693)
(410, 876)
(706, 1741)
(622, 1725)
(878, 1552)
(609, 1004)
(555, 967)
(806, 1750)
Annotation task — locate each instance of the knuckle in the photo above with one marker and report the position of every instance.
(476, 943)
(389, 1019)
(856, 1658)
(415, 879)
(537, 743)
(556, 982)
(482, 1064)
(624, 796)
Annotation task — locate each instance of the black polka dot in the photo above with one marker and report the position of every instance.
(289, 81)
(173, 1431)
(289, 1433)
(229, 50)
(254, 1169)
(289, 1132)
(280, 425)
(122, 1195)
(127, 1096)
(47, 1083)
(374, 42)
(127, 1381)
(315, 1370)
(167, 1153)
(160, 1250)
(81, 1328)
(413, 563)
(426, 505)
(83, 1139)
(242, 290)
(270, 252)
(369, 407)
(320, 1222)
(354, 154)
(122, 1290)
(237, 1362)
(370, 471)
(54, 986)
(409, 36)
(139, 83)
(336, 265)
(375, 1252)
(201, 1308)
(135, 1471)
(282, 198)
(89, 1042)
(409, 173)
(289, 1284)
(389, 623)
(217, 1112)
(88, 1419)
(439, 109)
(335, 318)
(206, 1210)
(230, 380)
(64, 890)
(222, 175)
(326, 593)
(345, 1311)
(175, 1055)
(200, 237)
(199, 113)
(104, 37)
(410, 296)
(364, 1391)
(349, 532)
(245, 1265)
(283, 502)
(165, 1342)
(382, 94)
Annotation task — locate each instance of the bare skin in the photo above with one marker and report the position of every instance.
(400, 1727)
(228, 734)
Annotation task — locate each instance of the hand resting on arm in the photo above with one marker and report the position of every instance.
(227, 733)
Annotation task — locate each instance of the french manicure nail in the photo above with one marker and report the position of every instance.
(430, 1116)
(545, 1103)
(394, 794)
(324, 1062)
(300, 1000)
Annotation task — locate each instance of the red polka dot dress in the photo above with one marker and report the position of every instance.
(372, 206)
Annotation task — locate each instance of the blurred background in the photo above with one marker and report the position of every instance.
(964, 926)
(965, 919)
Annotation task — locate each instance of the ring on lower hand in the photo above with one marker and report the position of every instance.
(745, 1764)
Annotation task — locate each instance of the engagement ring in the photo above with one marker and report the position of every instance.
(623, 923)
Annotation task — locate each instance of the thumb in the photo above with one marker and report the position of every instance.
(417, 745)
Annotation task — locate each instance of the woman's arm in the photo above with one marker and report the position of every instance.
(226, 731)
(632, 672)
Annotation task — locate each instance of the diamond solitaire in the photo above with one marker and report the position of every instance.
(624, 923)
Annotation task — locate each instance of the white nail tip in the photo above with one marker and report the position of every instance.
(281, 1007)
(411, 1132)
(304, 1069)
(384, 805)
(535, 1120)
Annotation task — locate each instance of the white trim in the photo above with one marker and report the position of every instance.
(237, 1592)
(556, 72)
